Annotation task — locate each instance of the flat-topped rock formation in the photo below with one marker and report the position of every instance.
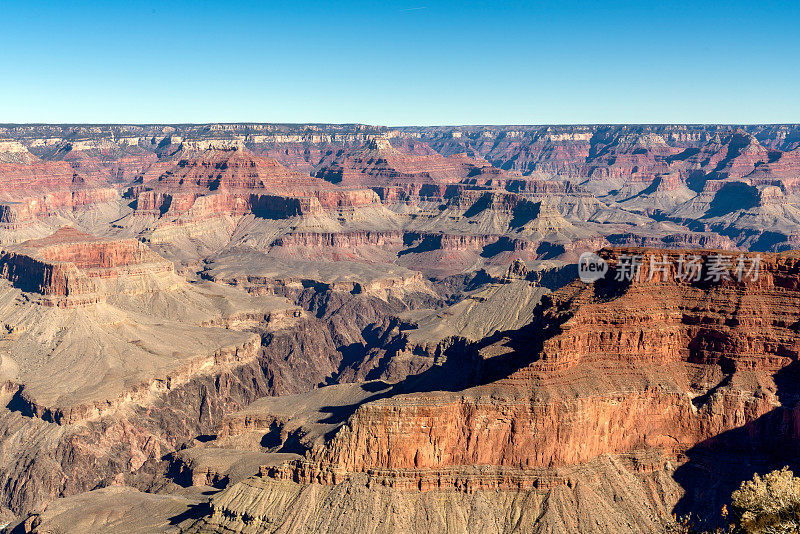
(652, 326)
(215, 168)
(262, 274)
(583, 505)
(70, 268)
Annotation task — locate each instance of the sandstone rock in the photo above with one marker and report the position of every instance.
(608, 369)
(605, 407)
(378, 163)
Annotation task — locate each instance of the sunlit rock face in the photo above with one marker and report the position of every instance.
(350, 327)
(648, 372)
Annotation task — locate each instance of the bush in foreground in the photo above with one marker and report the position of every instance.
(769, 504)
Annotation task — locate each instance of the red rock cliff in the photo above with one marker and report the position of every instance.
(623, 369)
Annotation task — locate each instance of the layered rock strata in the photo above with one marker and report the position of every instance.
(70, 268)
(214, 181)
(650, 368)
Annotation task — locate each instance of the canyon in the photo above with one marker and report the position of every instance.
(310, 328)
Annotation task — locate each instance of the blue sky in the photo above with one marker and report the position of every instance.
(400, 62)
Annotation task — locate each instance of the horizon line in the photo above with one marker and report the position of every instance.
(460, 125)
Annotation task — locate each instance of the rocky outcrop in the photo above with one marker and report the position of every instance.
(580, 500)
(610, 368)
(675, 328)
(206, 184)
(71, 268)
(32, 189)
(699, 240)
(340, 240)
(379, 163)
(199, 206)
(216, 167)
(16, 213)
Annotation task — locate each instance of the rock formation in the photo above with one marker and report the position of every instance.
(70, 268)
(640, 375)
(212, 181)
(256, 327)
(379, 163)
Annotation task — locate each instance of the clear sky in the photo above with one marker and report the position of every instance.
(400, 62)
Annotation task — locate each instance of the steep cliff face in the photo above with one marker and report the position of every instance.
(31, 188)
(198, 206)
(649, 341)
(340, 240)
(14, 152)
(17, 213)
(41, 189)
(71, 268)
(212, 167)
(650, 368)
(388, 246)
(21, 178)
(213, 182)
(628, 159)
(696, 240)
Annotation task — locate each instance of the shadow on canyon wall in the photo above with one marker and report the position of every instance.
(461, 366)
(717, 466)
